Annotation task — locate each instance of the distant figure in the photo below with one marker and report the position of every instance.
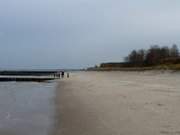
(62, 74)
(59, 75)
(67, 75)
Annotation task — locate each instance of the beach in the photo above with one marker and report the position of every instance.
(118, 103)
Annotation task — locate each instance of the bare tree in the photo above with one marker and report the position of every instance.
(174, 52)
(153, 56)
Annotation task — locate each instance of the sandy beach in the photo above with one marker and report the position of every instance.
(119, 103)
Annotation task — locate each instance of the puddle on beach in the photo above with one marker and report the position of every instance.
(26, 108)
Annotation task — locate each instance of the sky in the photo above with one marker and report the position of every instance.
(47, 34)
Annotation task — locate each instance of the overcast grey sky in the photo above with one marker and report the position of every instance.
(81, 33)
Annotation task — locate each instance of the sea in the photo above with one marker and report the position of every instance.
(27, 108)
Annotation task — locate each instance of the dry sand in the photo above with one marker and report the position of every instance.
(119, 103)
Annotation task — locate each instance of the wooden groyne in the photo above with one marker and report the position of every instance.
(26, 78)
(29, 76)
(29, 72)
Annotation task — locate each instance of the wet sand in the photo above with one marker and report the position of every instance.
(119, 103)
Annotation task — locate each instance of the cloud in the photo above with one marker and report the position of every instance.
(1, 33)
(68, 33)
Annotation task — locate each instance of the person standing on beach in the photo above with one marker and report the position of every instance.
(62, 74)
(67, 75)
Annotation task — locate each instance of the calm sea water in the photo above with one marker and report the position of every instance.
(26, 108)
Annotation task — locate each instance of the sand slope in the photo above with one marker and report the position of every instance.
(119, 103)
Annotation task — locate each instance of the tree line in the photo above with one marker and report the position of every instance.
(153, 56)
